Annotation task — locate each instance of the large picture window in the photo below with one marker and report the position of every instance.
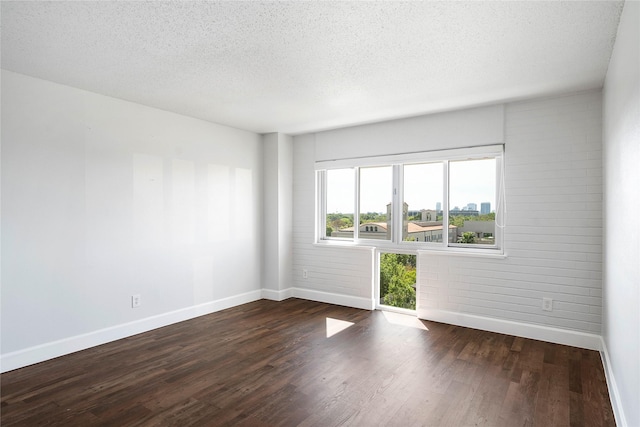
(439, 200)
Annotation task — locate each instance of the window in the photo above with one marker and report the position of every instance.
(376, 191)
(472, 183)
(448, 199)
(423, 195)
(340, 203)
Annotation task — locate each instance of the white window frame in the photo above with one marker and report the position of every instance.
(397, 162)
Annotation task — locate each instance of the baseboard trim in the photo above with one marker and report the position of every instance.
(524, 330)
(40, 353)
(274, 295)
(331, 298)
(614, 394)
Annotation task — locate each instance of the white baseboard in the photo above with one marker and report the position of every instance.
(331, 298)
(614, 394)
(40, 353)
(273, 295)
(525, 330)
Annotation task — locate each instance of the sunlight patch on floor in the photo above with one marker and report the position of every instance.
(335, 326)
(404, 320)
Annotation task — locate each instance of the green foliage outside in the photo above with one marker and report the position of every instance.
(372, 217)
(467, 237)
(397, 280)
(338, 221)
(458, 220)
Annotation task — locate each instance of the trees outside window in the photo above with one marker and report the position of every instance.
(398, 280)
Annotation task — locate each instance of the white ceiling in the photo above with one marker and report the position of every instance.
(296, 67)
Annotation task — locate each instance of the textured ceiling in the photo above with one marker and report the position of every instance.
(302, 66)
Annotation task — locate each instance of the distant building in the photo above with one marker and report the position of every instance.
(428, 229)
(428, 215)
(484, 231)
(456, 211)
(472, 207)
(485, 208)
(369, 230)
(439, 206)
(416, 232)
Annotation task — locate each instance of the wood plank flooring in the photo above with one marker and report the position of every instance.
(271, 364)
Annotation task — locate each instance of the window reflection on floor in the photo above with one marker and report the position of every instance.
(335, 326)
(404, 320)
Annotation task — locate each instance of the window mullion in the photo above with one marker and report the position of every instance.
(445, 204)
(321, 208)
(500, 205)
(396, 206)
(356, 210)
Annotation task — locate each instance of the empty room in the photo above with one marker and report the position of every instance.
(265, 213)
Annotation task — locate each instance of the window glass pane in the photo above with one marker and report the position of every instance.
(376, 188)
(472, 201)
(423, 191)
(341, 198)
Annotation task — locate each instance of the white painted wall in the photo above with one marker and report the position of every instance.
(285, 212)
(455, 129)
(554, 217)
(277, 215)
(270, 244)
(621, 317)
(554, 228)
(103, 199)
(335, 274)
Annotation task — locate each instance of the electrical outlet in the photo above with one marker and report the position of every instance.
(547, 304)
(135, 301)
(305, 273)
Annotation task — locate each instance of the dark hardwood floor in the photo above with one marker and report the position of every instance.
(271, 364)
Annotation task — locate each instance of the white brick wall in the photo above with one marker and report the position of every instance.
(335, 270)
(552, 240)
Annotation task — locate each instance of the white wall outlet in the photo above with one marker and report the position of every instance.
(135, 301)
(547, 304)
(305, 273)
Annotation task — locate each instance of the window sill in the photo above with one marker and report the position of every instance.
(389, 247)
(476, 253)
(342, 244)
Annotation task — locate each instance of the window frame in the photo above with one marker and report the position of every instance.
(397, 162)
